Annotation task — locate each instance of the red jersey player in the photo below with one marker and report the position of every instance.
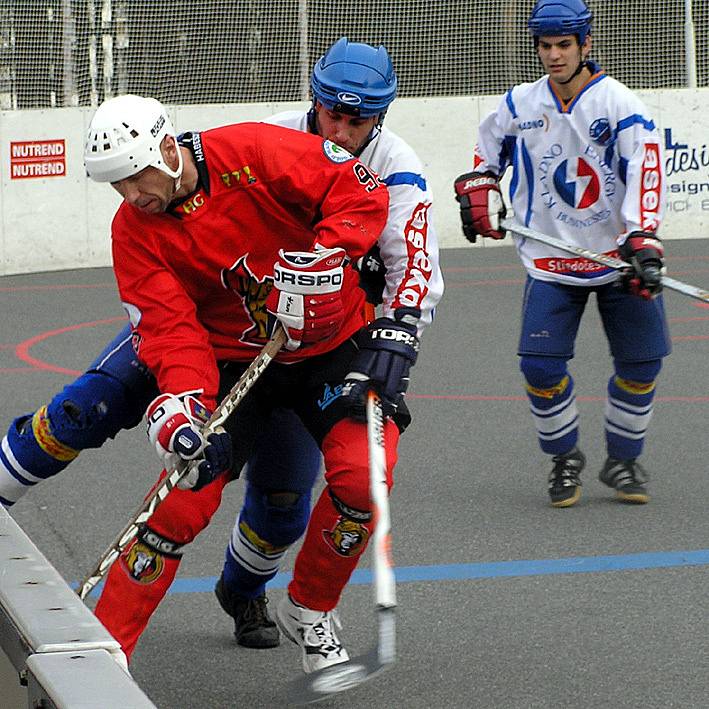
(218, 237)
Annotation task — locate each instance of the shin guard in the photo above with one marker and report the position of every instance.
(341, 521)
(142, 574)
(552, 401)
(135, 585)
(629, 407)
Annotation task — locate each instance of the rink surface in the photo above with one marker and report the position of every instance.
(504, 602)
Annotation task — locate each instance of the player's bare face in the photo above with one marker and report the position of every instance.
(349, 132)
(150, 190)
(561, 56)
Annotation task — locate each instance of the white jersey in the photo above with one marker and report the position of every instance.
(588, 172)
(408, 244)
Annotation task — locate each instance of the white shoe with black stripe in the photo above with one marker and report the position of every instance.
(314, 632)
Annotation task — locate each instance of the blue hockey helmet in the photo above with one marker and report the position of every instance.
(354, 78)
(552, 18)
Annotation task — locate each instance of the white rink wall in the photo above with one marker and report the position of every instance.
(53, 217)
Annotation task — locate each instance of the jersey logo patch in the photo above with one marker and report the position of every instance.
(143, 564)
(577, 183)
(347, 537)
(253, 292)
(600, 131)
(335, 153)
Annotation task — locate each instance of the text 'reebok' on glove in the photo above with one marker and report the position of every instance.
(646, 255)
(306, 297)
(388, 348)
(481, 205)
(175, 429)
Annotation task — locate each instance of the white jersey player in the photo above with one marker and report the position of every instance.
(586, 168)
(353, 84)
(408, 244)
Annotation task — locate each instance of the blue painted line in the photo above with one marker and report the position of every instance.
(495, 569)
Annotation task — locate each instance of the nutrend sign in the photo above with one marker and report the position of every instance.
(37, 158)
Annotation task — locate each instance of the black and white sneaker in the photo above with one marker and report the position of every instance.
(628, 478)
(314, 632)
(564, 481)
(253, 626)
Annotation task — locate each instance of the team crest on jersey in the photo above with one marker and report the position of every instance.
(600, 131)
(253, 292)
(335, 153)
(347, 537)
(143, 563)
(577, 183)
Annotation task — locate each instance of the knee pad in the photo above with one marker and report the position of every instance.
(543, 373)
(86, 413)
(638, 372)
(276, 518)
(346, 453)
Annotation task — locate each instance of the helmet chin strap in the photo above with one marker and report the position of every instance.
(175, 174)
(579, 69)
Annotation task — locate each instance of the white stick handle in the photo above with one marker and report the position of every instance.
(610, 261)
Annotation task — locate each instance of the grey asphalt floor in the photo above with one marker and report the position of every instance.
(504, 602)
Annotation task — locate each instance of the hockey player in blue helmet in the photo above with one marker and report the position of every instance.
(353, 85)
(587, 169)
(558, 18)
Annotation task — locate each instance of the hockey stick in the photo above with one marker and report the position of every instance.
(173, 477)
(322, 684)
(610, 261)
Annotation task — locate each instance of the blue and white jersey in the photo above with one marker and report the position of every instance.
(589, 171)
(408, 244)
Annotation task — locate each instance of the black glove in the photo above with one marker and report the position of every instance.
(387, 350)
(643, 251)
(372, 275)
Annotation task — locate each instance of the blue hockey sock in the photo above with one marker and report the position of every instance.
(629, 408)
(552, 401)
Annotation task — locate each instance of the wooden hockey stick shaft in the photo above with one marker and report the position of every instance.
(610, 261)
(173, 477)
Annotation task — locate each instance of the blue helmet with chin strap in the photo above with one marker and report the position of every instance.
(553, 18)
(354, 78)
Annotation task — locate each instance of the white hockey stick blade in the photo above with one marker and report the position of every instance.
(610, 261)
(318, 686)
(321, 685)
(173, 477)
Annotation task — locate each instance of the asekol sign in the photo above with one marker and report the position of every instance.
(37, 158)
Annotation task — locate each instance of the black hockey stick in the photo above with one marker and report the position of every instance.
(174, 476)
(610, 261)
(322, 684)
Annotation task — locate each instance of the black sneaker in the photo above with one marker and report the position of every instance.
(628, 478)
(253, 626)
(564, 481)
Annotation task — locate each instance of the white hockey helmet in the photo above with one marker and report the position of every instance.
(124, 138)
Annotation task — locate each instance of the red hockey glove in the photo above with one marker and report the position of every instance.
(305, 297)
(644, 251)
(175, 429)
(481, 205)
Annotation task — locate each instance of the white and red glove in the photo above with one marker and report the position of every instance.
(175, 429)
(306, 297)
(646, 255)
(481, 205)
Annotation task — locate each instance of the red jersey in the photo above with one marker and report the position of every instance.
(194, 280)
